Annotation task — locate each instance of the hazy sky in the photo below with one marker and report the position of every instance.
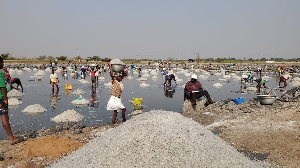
(151, 28)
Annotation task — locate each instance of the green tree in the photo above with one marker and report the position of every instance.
(50, 58)
(42, 57)
(78, 57)
(6, 56)
(62, 58)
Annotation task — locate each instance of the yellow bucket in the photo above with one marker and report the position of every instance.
(137, 101)
(137, 107)
(69, 87)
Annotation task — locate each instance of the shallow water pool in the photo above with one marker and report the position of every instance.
(95, 113)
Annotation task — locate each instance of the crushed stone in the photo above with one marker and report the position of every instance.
(157, 139)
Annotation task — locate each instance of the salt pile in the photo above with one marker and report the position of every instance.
(117, 61)
(108, 84)
(101, 78)
(14, 93)
(144, 85)
(226, 77)
(251, 89)
(68, 116)
(157, 139)
(142, 79)
(80, 102)
(40, 73)
(203, 77)
(14, 101)
(83, 81)
(218, 74)
(78, 92)
(217, 85)
(36, 108)
(154, 77)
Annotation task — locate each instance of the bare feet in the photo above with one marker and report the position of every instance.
(15, 141)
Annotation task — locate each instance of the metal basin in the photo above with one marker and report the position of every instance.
(117, 67)
(266, 99)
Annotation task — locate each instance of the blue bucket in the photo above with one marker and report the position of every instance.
(239, 100)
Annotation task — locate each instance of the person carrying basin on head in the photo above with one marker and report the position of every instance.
(168, 78)
(54, 80)
(114, 103)
(193, 90)
(4, 107)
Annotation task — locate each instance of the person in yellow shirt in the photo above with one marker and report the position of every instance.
(54, 80)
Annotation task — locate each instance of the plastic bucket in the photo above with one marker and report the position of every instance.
(137, 107)
(239, 100)
(137, 101)
(69, 87)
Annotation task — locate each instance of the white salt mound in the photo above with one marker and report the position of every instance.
(101, 78)
(143, 85)
(68, 116)
(80, 102)
(217, 85)
(117, 61)
(141, 79)
(36, 108)
(157, 139)
(79, 92)
(108, 84)
(14, 101)
(83, 81)
(14, 93)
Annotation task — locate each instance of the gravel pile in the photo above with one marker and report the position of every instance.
(36, 108)
(68, 116)
(157, 139)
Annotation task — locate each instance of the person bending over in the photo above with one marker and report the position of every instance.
(168, 78)
(16, 81)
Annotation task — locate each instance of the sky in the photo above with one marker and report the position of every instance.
(151, 29)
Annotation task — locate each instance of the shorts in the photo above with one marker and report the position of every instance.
(3, 107)
(93, 78)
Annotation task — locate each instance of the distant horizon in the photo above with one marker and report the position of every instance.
(151, 29)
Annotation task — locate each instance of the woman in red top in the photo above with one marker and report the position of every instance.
(93, 78)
